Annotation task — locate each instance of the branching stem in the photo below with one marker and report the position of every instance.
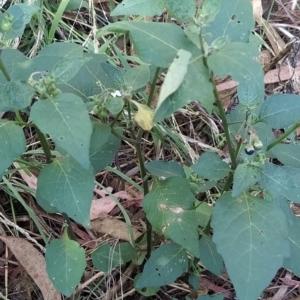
(44, 145)
(283, 136)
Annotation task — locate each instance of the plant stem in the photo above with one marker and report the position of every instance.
(122, 137)
(44, 145)
(283, 136)
(116, 118)
(220, 107)
(225, 126)
(153, 85)
(4, 71)
(137, 144)
(229, 180)
(145, 187)
(70, 231)
(18, 116)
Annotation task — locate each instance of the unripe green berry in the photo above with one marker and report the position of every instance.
(5, 25)
(257, 145)
(41, 89)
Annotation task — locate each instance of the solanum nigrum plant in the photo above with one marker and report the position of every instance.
(70, 97)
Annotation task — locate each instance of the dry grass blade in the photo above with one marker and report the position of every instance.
(275, 40)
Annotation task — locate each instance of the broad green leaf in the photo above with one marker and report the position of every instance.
(236, 121)
(16, 95)
(232, 60)
(237, 127)
(91, 79)
(202, 186)
(181, 10)
(210, 166)
(63, 50)
(251, 235)
(35, 68)
(203, 213)
(22, 14)
(210, 9)
(147, 292)
(197, 76)
(168, 207)
(67, 68)
(144, 116)
(294, 192)
(175, 76)
(104, 146)
(274, 179)
(114, 105)
(234, 20)
(244, 177)
(281, 181)
(193, 33)
(115, 74)
(139, 7)
(155, 43)
(65, 263)
(293, 262)
(281, 110)
(43, 201)
(9, 58)
(285, 207)
(164, 266)
(167, 169)
(12, 144)
(106, 257)
(209, 256)
(68, 187)
(47, 58)
(288, 154)
(250, 91)
(137, 77)
(66, 120)
(85, 83)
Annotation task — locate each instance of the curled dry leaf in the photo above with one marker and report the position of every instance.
(105, 205)
(34, 263)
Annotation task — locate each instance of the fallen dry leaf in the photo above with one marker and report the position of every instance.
(217, 289)
(286, 72)
(114, 227)
(34, 263)
(105, 205)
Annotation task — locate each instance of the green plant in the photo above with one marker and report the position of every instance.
(254, 231)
